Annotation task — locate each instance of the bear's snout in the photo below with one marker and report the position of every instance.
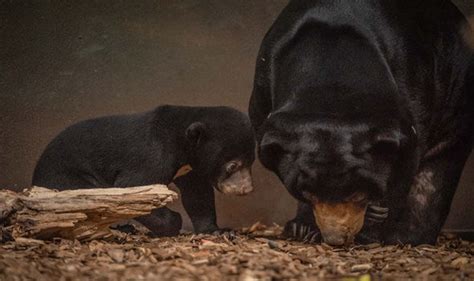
(339, 222)
(239, 183)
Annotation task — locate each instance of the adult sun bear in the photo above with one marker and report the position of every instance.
(364, 109)
(157, 147)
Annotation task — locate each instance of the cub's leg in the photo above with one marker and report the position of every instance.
(197, 195)
(162, 222)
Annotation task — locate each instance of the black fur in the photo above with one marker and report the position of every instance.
(149, 148)
(372, 96)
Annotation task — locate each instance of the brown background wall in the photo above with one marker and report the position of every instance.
(65, 61)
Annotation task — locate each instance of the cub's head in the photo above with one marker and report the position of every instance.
(336, 166)
(223, 149)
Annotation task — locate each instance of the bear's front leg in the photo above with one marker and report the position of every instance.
(375, 217)
(430, 197)
(197, 196)
(303, 226)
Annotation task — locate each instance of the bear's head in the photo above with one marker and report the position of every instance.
(222, 149)
(338, 166)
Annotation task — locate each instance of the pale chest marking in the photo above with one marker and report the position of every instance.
(184, 170)
(423, 188)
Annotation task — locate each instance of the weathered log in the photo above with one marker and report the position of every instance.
(82, 214)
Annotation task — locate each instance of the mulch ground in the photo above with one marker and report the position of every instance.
(255, 253)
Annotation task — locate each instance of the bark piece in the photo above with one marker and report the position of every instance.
(82, 214)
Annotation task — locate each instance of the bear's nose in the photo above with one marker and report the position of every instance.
(335, 239)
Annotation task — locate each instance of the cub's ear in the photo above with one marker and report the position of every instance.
(195, 133)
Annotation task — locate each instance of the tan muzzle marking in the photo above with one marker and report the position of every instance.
(240, 183)
(339, 222)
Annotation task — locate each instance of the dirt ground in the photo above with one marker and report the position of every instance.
(255, 253)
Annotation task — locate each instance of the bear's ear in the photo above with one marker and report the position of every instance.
(195, 133)
(270, 150)
(270, 141)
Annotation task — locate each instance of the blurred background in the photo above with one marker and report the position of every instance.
(65, 61)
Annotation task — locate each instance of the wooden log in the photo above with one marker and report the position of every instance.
(82, 214)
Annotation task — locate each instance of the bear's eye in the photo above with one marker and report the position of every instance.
(232, 167)
(357, 197)
(387, 144)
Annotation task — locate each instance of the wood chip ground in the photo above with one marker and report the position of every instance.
(255, 253)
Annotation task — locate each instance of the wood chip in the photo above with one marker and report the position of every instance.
(361, 267)
(28, 242)
(459, 261)
(429, 271)
(116, 254)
